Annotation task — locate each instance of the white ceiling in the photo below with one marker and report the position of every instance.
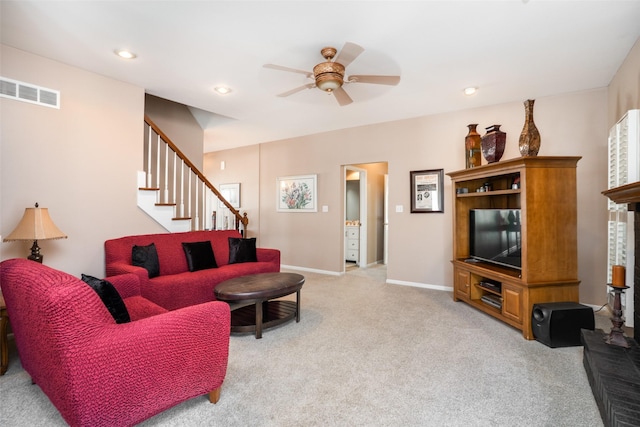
(512, 50)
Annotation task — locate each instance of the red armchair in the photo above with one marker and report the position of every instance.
(99, 373)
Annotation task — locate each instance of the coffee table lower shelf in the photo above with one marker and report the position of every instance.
(274, 313)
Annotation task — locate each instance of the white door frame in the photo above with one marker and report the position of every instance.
(362, 257)
(385, 224)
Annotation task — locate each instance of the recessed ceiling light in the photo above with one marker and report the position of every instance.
(222, 90)
(123, 53)
(470, 91)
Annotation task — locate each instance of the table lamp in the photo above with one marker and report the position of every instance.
(36, 224)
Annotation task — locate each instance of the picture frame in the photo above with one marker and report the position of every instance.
(297, 193)
(231, 192)
(427, 192)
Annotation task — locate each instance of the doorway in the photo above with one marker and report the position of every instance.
(364, 214)
(355, 217)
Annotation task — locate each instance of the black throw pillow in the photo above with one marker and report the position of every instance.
(199, 255)
(242, 250)
(147, 257)
(110, 297)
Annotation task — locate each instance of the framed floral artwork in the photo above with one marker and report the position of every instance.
(297, 193)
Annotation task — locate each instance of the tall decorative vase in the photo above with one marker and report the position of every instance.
(493, 144)
(530, 137)
(473, 148)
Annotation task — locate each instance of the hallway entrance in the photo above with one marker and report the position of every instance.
(364, 219)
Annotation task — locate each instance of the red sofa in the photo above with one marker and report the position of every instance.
(100, 373)
(176, 286)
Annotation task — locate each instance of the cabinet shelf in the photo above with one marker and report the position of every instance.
(486, 269)
(488, 193)
(489, 290)
(547, 200)
(489, 307)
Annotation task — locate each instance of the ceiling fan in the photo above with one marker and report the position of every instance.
(329, 76)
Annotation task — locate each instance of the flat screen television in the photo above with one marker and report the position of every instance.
(495, 236)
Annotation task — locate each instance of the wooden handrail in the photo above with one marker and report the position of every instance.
(239, 218)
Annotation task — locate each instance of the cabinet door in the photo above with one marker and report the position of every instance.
(462, 283)
(512, 302)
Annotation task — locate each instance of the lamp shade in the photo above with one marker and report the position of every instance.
(36, 224)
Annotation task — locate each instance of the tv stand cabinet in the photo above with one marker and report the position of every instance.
(544, 189)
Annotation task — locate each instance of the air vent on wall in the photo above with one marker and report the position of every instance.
(20, 91)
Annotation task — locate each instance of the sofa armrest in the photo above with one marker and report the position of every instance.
(127, 285)
(117, 268)
(154, 362)
(268, 255)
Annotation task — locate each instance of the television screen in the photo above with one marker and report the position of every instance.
(495, 236)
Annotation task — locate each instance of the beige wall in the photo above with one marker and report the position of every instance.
(176, 121)
(79, 161)
(241, 166)
(624, 90)
(420, 244)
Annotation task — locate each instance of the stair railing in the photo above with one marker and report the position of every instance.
(177, 179)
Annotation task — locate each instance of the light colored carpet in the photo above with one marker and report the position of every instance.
(366, 353)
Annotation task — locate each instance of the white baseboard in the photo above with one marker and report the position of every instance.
(420, 285)
(311, 270)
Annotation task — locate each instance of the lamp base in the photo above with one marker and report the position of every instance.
(35, 253)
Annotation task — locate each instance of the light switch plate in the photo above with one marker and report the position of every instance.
(325, 208)
(399, 208)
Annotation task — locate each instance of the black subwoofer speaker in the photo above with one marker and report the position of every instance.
(558, 324)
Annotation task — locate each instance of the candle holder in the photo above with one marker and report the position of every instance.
(616, 336)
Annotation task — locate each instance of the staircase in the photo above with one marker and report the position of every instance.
(176, 194)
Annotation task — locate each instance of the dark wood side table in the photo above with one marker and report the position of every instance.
(4, 345)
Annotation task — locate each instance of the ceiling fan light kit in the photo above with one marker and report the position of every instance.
(328, 76)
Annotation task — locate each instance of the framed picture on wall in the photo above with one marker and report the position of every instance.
(231, 193)
(427, 193)
(297, 193)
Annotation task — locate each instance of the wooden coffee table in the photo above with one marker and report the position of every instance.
(257, 290)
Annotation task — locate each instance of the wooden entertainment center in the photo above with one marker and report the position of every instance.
(544, 189)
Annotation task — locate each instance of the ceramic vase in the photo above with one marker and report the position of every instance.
(473, 148)
(530, 137)
(493, 144)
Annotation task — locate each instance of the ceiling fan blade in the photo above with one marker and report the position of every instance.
(296, 90)
(342, 97)
(291, 70)
(378, 80)
(349, 52)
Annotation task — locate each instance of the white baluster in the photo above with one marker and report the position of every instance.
(195, 210)
(166, 173)
(189, 213)
(149, 176)
(175, 175)
(203, 205)
(158, 167)
(182, 190)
